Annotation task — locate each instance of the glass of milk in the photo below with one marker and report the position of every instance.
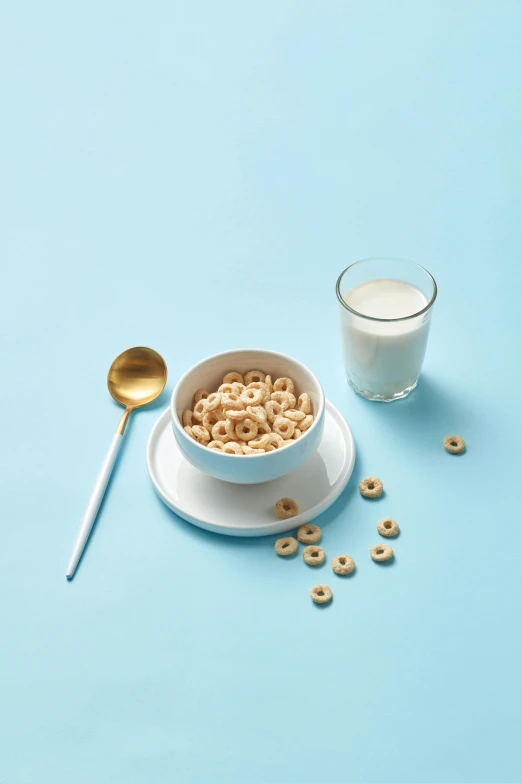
(386, 306)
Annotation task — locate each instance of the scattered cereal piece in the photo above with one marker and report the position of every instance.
(309, 534)
(231, 401)
(246, 430)
(284, 427)
(273, 410)
(200, 408)
(307, 421)
(254, 376)
(227, 388)
(216, 444)
(388, 527)
(284, 384)
(286, 507)
(232, 448)
(285, 399)
(259, 443)
(286, 546)
(381, 552)
(201, 394)
(313, 555)
(275, 441)
(343, 565)
(233, 377)
(189, 432)
(371, 487)
(454, 444)
(294, 415)
(213, 401)
(252, 396)
(219, 432)
(187, 418)
(321, 594)
(201, 434)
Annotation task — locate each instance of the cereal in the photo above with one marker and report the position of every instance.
(306, 422)
(201, 434)
(388, 527)
(343, 565)
(381, 552)
(285, 399)
(232, 448)
(252, 396)
(219, 432)
(321, 594)
(313, 555)
(254, 376)
(200, 408)
(231, 401)
(233, 377)
(216, 444)
(246, 430)
(294, 415)
(286, 546)
(284, 427)
(201, 394)
(454, 444)
(305, 403)
(213, 401)
(284, 384)
(257, 413)
(212, 417)
(286, 507)
(252, 412)
(371, 487)
(236, 415)
(309, 534)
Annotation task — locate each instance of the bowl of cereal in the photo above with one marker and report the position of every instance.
(248, 416)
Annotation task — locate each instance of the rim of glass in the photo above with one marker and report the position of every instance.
(385, 320)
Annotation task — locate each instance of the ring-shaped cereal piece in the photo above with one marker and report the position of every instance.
(343, 565)
(231, 402)
(187, 418)
(246, 430)
(388, 528)
(231, 447)
(226, 388)
(305, 403)
(253, 376)
(257, 413)
(275, 441)
(268, 383)
(200, 408)
(294, 415)
(273, 410)
(454, 444)
(284, 427)
(201, 434)
(238, 388)
(212, 417)
(213, 401)
(233, 377)
(218, 445)
(306, 422)
(297, 433)
(230, 429)
(230, 413)
(381, 552)
(219, 432)
(286, 546)
(251, 396)
(189, 432)
(309, 534)
(284, 384)
(285, 508)
(249, 450)
(259, 443)
(201, 394)
(263, 427)
(321, 594)
(285, 399)
(313, 555)
(371, 487)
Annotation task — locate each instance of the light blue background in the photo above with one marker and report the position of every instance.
(194, 176)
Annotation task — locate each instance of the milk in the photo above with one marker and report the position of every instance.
(383, 359)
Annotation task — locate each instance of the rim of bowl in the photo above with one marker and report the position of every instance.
(284, 356)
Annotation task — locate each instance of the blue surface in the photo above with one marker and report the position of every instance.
(193, 177)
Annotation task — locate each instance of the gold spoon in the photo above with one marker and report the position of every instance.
(136, 377)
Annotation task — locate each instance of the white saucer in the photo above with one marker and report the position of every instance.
(248, 510)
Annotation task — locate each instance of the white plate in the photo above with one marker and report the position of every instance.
(248, 510)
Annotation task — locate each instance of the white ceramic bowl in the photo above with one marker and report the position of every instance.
(242, 468)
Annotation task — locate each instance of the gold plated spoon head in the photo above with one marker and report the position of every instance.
(136, 377)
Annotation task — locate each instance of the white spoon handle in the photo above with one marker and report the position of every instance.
(94, 504)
